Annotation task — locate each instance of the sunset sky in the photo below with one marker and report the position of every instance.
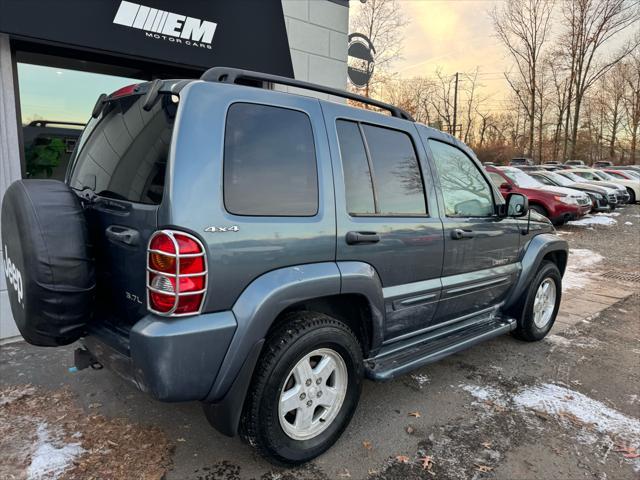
(454, 35)
(458, 36)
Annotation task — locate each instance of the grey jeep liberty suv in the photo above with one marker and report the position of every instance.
(262, 252)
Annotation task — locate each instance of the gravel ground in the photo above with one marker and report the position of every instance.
(567, 407)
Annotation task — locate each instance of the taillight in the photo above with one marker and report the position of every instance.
(176, 274)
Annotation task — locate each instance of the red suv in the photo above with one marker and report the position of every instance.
(556, 203)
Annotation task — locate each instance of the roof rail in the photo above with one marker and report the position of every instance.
(232, 75)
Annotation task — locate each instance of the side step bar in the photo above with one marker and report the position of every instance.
(433, 346)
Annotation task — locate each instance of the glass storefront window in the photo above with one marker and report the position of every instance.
(55, 104)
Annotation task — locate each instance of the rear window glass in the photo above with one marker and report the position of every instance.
(124, 155)
(269, 162)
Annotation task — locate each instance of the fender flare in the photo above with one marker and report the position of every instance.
(537, 248)
(361, 278)
(257, 308)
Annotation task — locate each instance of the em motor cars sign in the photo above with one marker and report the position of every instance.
(160, 24)
(195, 34)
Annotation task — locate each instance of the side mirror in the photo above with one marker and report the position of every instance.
(505, 186)
(517, 205)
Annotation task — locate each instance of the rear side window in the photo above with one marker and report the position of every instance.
(124, 154)
(381, 171)
(269, 162)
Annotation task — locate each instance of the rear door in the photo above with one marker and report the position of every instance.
(480, 248)
(120, 168)
(384, 199)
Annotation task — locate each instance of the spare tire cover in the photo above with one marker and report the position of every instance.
(49, 273)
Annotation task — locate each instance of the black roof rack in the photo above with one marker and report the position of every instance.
(232, 75)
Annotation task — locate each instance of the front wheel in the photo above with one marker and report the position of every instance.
(541, 304)
(305, 389)
(632, 196)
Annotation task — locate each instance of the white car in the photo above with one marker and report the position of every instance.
(632, 186)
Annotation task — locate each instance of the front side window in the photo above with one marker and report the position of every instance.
(269, 162)
(497, 179)
(381, 171)
(466, 192)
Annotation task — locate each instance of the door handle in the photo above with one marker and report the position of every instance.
(125, 235)
(459, 234)
(354, 238)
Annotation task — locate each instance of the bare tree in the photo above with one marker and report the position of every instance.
(384, 23)
(523, 26)
(592, 24)
(632, 102)
(614, 88)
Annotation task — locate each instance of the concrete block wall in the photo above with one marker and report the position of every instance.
(317, 31)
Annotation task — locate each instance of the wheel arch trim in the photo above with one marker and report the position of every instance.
(272, 293)
(537, 249)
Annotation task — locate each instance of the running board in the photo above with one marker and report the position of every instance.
(433, 346)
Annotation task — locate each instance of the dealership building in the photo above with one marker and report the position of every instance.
(57, 57)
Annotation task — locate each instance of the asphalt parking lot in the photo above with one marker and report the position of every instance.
(564, 408)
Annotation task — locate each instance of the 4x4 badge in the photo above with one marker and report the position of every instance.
(233, 228)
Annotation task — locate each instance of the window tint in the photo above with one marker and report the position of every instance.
(466, 192)
(269, 162)
(357, 178)
(124, 154)
(395, 186)
(397, 179)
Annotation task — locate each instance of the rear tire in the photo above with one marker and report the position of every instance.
(539, 309)
(286, 377)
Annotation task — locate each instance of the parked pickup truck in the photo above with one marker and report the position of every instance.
(262, 252)
(558, 204)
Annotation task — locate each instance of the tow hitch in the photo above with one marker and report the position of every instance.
(83, 359)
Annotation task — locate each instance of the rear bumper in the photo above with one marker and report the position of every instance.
(171, 359)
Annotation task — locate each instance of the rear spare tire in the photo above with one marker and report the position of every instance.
(47, 266)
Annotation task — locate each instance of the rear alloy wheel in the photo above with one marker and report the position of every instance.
(312, 394)
(304, 390)
(540, 304)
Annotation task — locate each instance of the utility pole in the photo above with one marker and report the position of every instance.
(455, 107)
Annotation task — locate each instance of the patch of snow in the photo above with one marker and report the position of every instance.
(483, 394)
(421, 380)
(557, 340)
(582, 342)
(573, 409)
(628, 223)
(606, 214)
(51, 457)
(577, 274)
(593, 220)
(558, 401)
